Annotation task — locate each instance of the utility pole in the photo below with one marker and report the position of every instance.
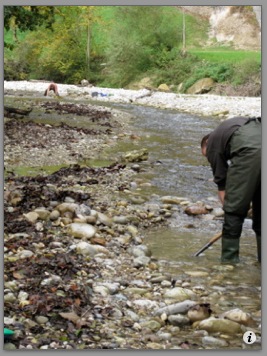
(183, 49)
(88, 49)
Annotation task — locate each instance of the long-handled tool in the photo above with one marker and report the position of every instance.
(207, 245)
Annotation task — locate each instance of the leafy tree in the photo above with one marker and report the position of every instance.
(28, 17)
(112, 46)
(141, 38)
(61, 53)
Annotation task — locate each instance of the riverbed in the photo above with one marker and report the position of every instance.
(175, 168)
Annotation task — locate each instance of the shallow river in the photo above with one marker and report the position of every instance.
(179, 169)
(173, 142)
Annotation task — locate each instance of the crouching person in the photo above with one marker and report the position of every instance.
(233, 150)
(52, 87)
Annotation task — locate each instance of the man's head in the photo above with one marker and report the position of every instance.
(203, 144)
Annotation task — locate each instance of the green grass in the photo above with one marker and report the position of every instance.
(226, 55)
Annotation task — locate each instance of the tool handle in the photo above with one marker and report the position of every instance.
(207, 245)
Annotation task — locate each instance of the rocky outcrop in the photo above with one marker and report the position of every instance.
(238, 26)
(231, 25)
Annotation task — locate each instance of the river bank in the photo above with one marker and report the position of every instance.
(77, 272)
(206, 105)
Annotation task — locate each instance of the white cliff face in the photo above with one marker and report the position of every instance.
(232, 25)
(257, 11)
(218, 16)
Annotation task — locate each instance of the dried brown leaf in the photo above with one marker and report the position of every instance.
(72, 316)
(18, 275)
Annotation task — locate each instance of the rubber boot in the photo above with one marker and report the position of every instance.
(230, 250)
(258, 239)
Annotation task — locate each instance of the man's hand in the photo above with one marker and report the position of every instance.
(221, 194)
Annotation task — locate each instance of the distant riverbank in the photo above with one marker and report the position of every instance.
(203, 105)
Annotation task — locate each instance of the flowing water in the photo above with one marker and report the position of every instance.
(179, 169)
(173, 142)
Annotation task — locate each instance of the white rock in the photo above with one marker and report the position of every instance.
(84, 248)
(179, 294)
(145, 303)
(239, 316)
(82, 230)
(25, 254)
(224, 326)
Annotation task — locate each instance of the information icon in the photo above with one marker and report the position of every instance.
(249, 337)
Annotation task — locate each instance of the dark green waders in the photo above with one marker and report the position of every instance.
(243, 186)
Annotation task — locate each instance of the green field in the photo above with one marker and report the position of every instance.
(222, 55)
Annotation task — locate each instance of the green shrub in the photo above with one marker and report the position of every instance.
(219, 72)
(175, 71)
(246, 69)
(15, 70)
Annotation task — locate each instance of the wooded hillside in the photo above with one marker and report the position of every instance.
(119, 46)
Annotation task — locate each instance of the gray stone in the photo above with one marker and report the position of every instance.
(178, 320)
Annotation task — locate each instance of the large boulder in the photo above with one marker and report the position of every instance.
(202, 86)
(164, 87)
